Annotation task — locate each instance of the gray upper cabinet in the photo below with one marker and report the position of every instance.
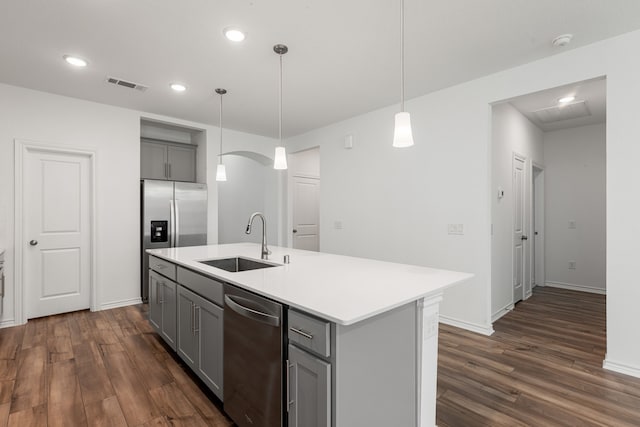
(309, 390)
(200, 337)
(175, 162)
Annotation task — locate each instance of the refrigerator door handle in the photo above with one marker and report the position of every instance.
(172, 225)
(176, 224)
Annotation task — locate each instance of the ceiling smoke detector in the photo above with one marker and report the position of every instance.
(562, 40)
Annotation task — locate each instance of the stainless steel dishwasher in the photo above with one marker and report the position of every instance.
(252, 359)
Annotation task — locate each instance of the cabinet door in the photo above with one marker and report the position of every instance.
(169, 320)
(309, 391)
(153, 160)
(187, 339)
(155, 307)
(182, 163)
(209, 323)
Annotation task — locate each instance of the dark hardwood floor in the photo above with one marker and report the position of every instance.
(106, 368)
(542, 367)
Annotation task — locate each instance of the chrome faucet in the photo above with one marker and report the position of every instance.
(265, 251)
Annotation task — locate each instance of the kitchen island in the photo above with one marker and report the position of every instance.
(383, 321)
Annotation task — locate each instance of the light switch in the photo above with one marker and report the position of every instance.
(572, 224)
(456, 229)
(337, 225)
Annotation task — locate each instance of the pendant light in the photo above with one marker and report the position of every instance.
(280, 160)
(402, 135)
(221, 172)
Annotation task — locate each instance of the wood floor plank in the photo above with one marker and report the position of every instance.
(154, 374)
(94, 383)
(30, 417)
(134, 399)
(11, 339)
(65, 406)
(30, 388)
(4, 413)
(105, 413)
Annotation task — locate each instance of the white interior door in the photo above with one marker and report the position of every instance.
(538, 227)
(519, 224)
(306, 213)
(57, 232)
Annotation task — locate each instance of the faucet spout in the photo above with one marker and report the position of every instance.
(264, 254)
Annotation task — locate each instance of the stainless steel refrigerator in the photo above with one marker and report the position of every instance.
(173, 214)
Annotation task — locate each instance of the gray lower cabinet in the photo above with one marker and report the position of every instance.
(309, 391)
(162, 307)
(200, 337)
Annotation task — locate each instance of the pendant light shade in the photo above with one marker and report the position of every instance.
(280, 159)
(221, 171)
(402, 134)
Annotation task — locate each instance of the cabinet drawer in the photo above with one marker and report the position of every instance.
(204, 286)
(310, 332)
(163, 267)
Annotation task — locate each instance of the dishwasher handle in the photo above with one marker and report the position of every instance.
(251, 313)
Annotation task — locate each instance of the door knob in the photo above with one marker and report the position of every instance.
(33, 242)
(524, 237)
(295, 231)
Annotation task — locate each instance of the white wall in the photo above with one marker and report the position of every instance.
(114, 133)
(512, 133)
(251, 186)
(395, 204)
(575, 181)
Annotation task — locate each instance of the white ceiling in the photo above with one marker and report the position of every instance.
(593, 92)
(343, 58)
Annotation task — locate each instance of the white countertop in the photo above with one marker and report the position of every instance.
(342, 289)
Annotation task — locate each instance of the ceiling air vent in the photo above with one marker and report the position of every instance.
(563, 112)
(125, 83)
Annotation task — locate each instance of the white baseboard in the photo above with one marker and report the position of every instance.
(574, 287)
(621, 368)
(504, 310)
(473, 327)
(7, 323)
(121, 303)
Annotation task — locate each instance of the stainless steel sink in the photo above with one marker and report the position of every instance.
(237, 264)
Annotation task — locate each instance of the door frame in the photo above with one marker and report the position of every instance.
(526, 220)
(534, 202)
(22, 148)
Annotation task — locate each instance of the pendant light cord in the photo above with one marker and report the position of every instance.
(402, 55)
(280, 104)
(220, 130)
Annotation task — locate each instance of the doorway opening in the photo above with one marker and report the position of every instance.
(549, 198)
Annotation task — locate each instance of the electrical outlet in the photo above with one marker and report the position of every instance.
(337, 225)
(572, 265)
(572, 224)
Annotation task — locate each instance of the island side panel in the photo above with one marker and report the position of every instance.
(427, 320)
(376, 371)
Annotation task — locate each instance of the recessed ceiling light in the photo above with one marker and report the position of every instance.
(75, 61)
(566, 99)
(234, 34)
(178, 87)
(562, 40)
